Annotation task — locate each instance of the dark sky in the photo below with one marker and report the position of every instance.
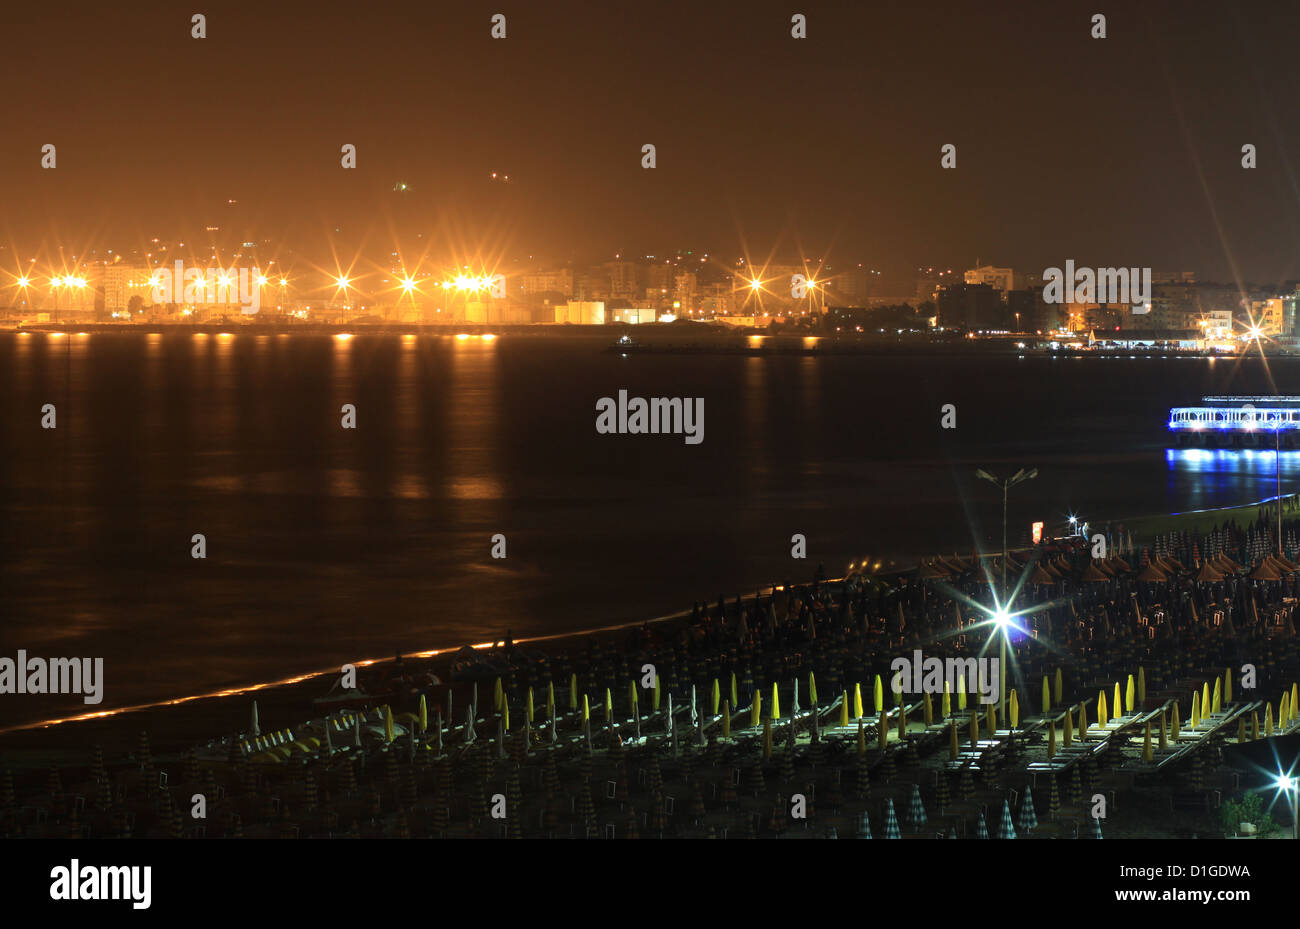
(1122, 151)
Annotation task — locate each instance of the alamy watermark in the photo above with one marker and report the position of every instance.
(209, 285)
(1102, 285)
(657, 416)
(53, 676)
(917, 675)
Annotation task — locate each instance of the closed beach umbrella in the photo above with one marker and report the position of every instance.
(1006, 830)
(857, 702)
(878, 694)
(388, 724)
(424, 714)
(1047, 697)
(916, 818)
(981, 827)
(891, 821)
(1028, 815)
(947, 701)
(254, 726)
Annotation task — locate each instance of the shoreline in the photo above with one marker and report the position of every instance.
(293, 689)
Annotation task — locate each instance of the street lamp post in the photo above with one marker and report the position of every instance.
(1002, 617)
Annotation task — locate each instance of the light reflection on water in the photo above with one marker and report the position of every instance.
(1202, 478)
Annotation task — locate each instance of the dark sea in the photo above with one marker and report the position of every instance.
(327, 545)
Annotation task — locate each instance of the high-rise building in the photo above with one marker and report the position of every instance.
(1000, 279)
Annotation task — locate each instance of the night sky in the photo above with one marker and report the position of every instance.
(1122, 151)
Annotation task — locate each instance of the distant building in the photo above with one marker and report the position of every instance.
(625, 279)
(1000, 279)
(581, 312)
(633, 315)
(1269, 316)
(971, 306)
(542, 282)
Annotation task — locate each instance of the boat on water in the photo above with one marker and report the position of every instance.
(1238, 422)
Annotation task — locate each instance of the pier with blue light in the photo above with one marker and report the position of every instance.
(1238, 422)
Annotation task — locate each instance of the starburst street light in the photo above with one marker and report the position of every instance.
(1290, 786)
(1003, 601)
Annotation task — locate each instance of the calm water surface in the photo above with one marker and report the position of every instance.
(327, 545)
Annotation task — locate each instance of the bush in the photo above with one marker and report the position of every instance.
(1249, 808)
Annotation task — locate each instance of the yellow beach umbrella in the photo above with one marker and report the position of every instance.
(961, 691)
(1217, 705)
(857, 702)
(1015, 709)
(388, 723)
(573, 692)
(550, 699)
(715, 698)
(632, 699)
(1067, 735)
(1129, 694)
(735, 694)
(1083, 721)
(1254, 725)
(947, 701)
(654, 696)
(1051, 740)
(1268, 720)
(1117, 706)
(1175, 727)
(1047, 697)
(927, 709)
(952, 741)
(844, 709)
(882, 728)
(1057, 688)
(878, 691)
(424, 714)
(812, 688)
(505, 712)
(1227, 685)
(862, 738)
(756, 709)
(609, 707)
(496, 695)
(1196, 709)
(776, 701)
(1103, 712)
(1295, 699)
(528, 706)
(1146, 745)
(1142, 686)
(1205, 698)
(586, 708)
